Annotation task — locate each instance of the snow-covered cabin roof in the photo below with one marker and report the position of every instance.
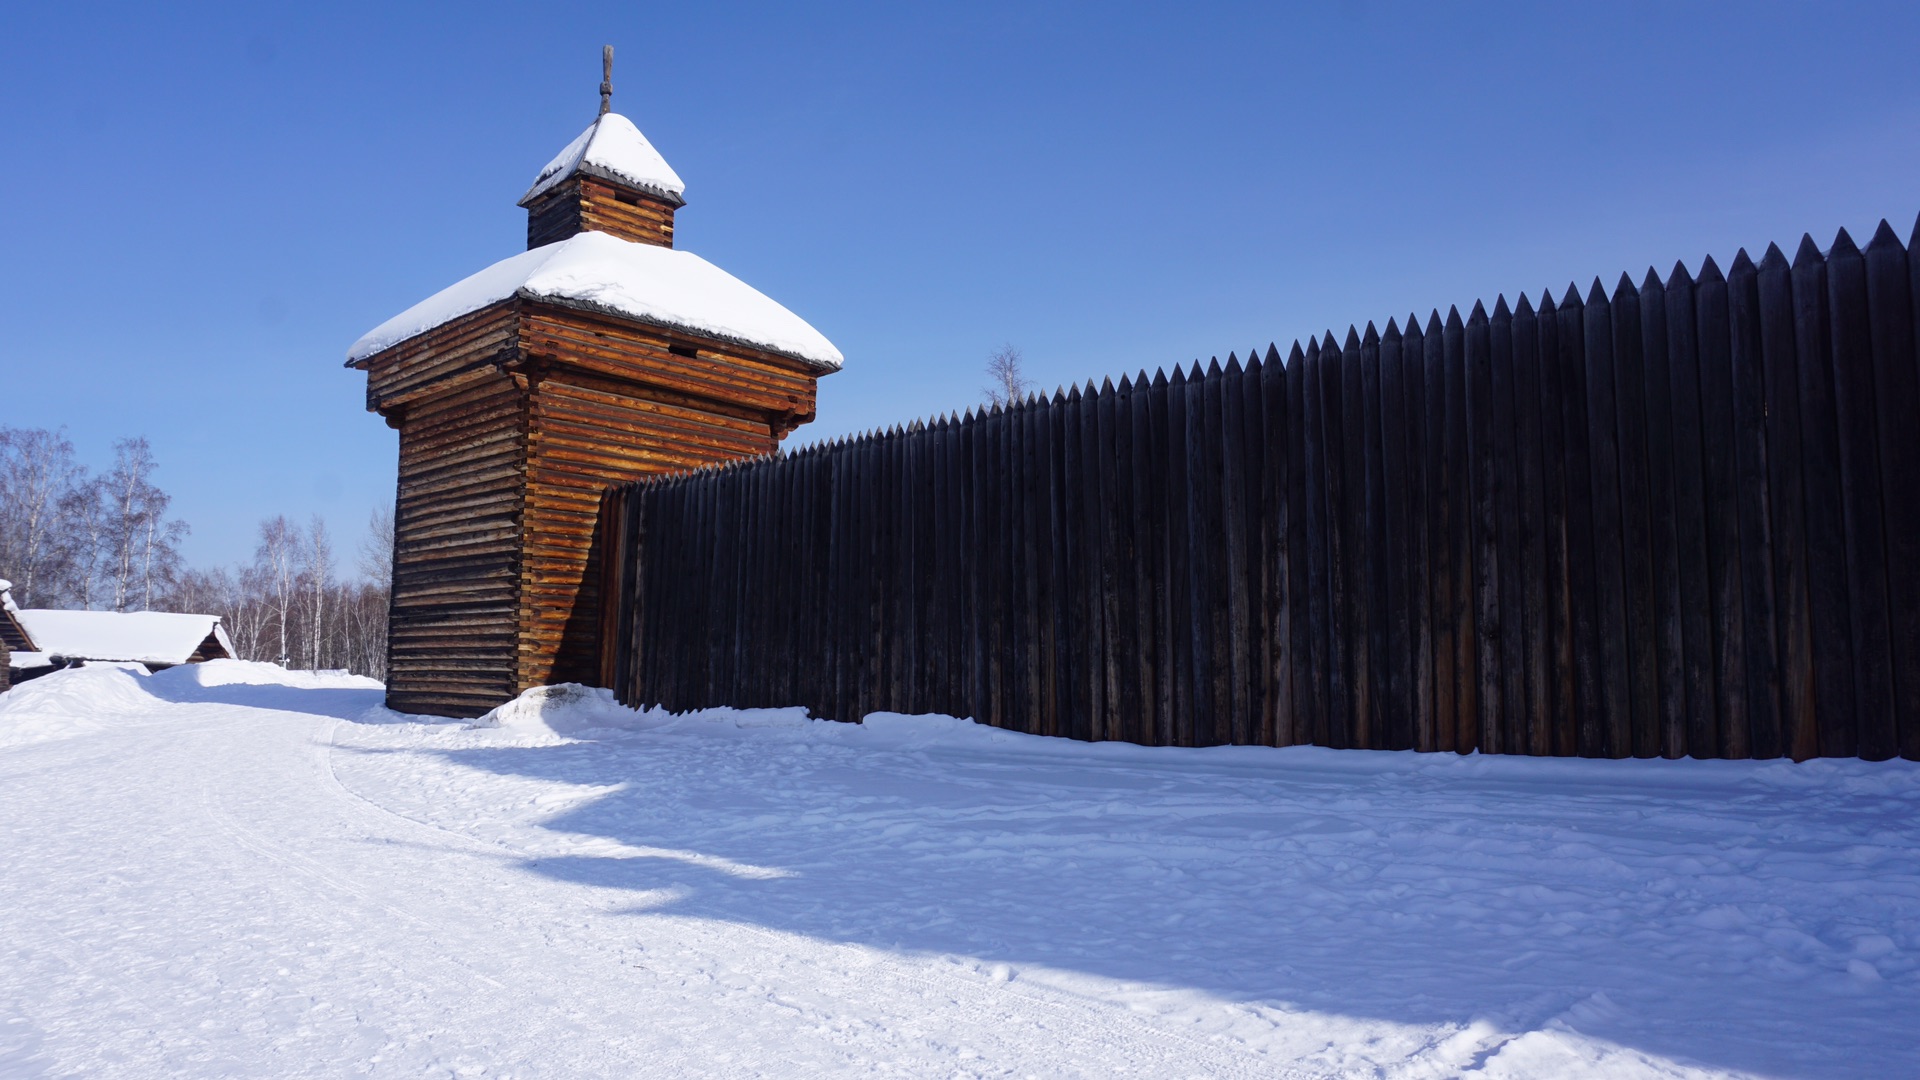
(147, 637)
(613, 149)
(644, 282)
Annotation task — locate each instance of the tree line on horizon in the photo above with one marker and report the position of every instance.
(73, 539)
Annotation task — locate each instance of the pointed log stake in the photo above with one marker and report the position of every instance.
(606, 79)
(1896, 394)
(1751, 495)
(1862, 498)
(1669, 640)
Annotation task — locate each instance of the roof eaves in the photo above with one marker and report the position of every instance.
(547, 186)
(611, 312)
(364, 362)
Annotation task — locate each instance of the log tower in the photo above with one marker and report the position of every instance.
(600, 354)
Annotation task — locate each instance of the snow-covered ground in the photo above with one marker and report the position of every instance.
(227, 870)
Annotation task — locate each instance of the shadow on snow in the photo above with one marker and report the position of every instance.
(1416, 891)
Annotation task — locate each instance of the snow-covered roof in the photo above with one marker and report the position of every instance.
(148, 637)
(612, 149)
(27, 661)
(643, 282)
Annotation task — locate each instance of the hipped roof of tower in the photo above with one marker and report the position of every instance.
(612, 149)
(661, 286)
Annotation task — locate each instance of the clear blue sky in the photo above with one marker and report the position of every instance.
(204, 206)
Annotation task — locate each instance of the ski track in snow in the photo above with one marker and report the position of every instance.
(227, 870)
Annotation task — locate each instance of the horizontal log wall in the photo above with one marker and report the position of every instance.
(461, 352)
(687, 369)
(584, 434)
(584, 203)
(611, 403)
(1667, 520)
(456, 560)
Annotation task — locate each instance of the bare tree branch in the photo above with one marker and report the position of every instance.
(1007, 383)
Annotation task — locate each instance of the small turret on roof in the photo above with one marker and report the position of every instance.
(613, 150)
(610, 179)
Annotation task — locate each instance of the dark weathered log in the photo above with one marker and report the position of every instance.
(1052, 557)
(1300, 587)
(1076, 681)
(1636, 527)
(1748, 367)
(1397, 710)
(1264, 543)
(1663, 538)
(1119, 713)
(1182, 618)
(1167, 675)
(1440, 578)
(1371, 721)
(1004, 657)
(1531, 499)
(1190, 502)
(1144, 535)
(1341, 573)
(1897, 399)
(1207, 571)
(1603, 440)
(1861, 498)
(1276, 441)
(1722, 513)
(1465, 721)
(1509, 542)
(1417, 347)
(1690, 506)
(1488, 720)
(1237, 641)
(1588, 673)
(1319, 700)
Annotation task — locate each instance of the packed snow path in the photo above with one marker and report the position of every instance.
(227, 870)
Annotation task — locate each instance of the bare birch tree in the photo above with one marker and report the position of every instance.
(376, 549)
(144, 545)
(84, 528)
(368, 609)
(37, 471)
(159, 553)
(275, 565)
(1007, 383)
(316, 578)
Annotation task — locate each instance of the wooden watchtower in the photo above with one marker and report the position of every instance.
(600, 354)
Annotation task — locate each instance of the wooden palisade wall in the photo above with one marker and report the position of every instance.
(1671, 519)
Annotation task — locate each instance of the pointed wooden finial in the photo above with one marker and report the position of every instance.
(606, 79)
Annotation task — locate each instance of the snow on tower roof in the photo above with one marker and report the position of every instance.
(643, 282)
(613, 149)
(155, 637)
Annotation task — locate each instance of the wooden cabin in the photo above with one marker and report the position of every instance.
(601, 354)
(39, 640)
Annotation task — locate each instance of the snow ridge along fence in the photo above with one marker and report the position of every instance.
(1680, 519)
